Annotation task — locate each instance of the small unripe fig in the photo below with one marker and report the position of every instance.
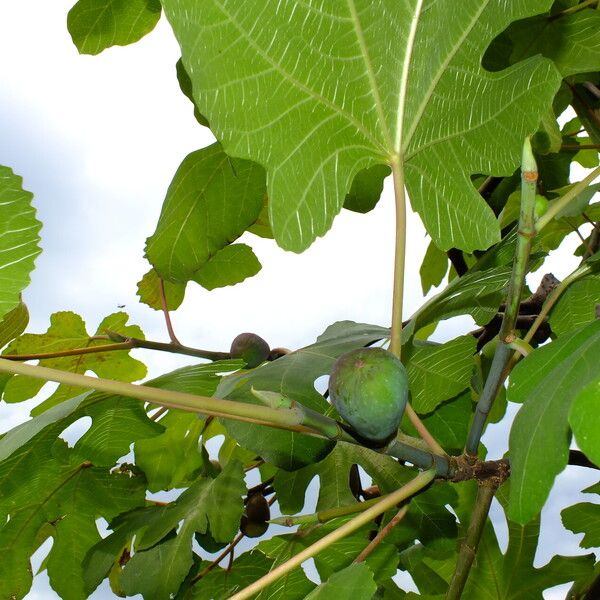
(541, 206)
(251, 348)
(254, 522)
(369, 388)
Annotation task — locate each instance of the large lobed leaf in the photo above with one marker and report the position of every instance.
(66, 332)
(19, 237)
(317, 91)
(548, 383)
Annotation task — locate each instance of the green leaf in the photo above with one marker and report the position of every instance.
(228, 266)
(171, 459)
(211, 201)
(162, 561)
(223, 583)
(584, 418)
(149, 291)
(497, 576)
(546, 382)
(293, 376)
(13, 324)
(352, 583)
(584, 518)
(439, 372)
(478, 293)
(572, 41)
(576, 306)
(366, 189)
(66, 507)
(96, 25)
(185, 84)
(19, 237)
(343, 88)
(66, 332)
(434, 267)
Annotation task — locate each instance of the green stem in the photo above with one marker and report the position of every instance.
(521, 346)
(326, 515)
(399, 257)
(468, 547)
(384, 504)
(559, 204)
(298, 418)
(503, 353)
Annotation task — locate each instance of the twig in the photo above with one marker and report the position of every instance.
(126, 343)
(406, 491)
(422, 430)
(297, 417)
(503, 353)
(229, 549)
(468, 548)
(165, 309)
(382, 534)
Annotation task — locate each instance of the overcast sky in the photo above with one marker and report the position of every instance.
(98, 139)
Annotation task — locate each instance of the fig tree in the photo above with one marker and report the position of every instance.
(369, 388)
(251, 348)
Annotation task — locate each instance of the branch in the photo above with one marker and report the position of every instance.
(502, 355)
(468, 547)
(406, 491)
(124, 343)
(293, 417)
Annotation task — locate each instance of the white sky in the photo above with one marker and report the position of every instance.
(98, 139)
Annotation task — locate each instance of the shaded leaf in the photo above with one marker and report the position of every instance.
(434, 267)
(13, 324)
(584, 418)
(228, 266)
(584, 518)
(185, 84)
(96, 25)
(352, 583)
(577, 305)
(439, 372)
(211, 201)
(366, 189)
(546, 382)
(286, 102)
(19, 237)
(149, 291)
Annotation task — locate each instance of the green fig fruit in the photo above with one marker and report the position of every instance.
(251, 348)
(254, 522)
(369, 388)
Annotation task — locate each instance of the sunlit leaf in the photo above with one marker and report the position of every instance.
(67, 331)
(19, 237)
(344, 87)
(439, 372)
(149, 292)
(96, 25)
(228, 266)
(211, 201)
(13, 324)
